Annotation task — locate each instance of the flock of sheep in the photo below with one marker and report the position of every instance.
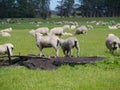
(51, 39)
(46, 38)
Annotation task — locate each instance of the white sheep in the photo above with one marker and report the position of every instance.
(57, 31)
(46, 42)
(3, 48)
(68, 44)
(67, 34)
(4, 34)
(89, 26)
(118, 25)
(112, 27)
(81, 30)
(66, 27)
(112, 43)
(7, 30)
(42, 30)
(73, 27)
(32, 32)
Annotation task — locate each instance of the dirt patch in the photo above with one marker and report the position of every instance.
(48, 63)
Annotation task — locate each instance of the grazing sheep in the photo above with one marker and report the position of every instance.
(47, 41)
(43, 30)
(32, 32)
(89, 26)
(101, 23)
(112, 43)
(113, 22)
(66, 27)
(3, 48)
(73, 27)
(112, 27)
(81, 30)
(57, 31)
(67, 34)
(7, 30)
(68, 44)
(118, 25)
(4, 34)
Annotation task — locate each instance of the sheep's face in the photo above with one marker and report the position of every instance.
(115, 46)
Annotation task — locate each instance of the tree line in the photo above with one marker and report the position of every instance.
(24, 8)
(89, 8)
(65, 8)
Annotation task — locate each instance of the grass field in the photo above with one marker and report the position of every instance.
(104, 75)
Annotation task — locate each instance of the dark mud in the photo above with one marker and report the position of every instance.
(34, 62)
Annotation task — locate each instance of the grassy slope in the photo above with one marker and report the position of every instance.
(102, 76)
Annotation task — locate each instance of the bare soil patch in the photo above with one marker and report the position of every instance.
(35, 62)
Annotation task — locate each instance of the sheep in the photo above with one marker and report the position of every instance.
(7, 30)
(57, 31)
(43, 30)
(68, 44)
(112, 27)
(81, 30)
(67, 34)
(73, 27)
(32, 32)
(47, 41)
(89, 26)
(4, 34)
(118, 25)
(112, 43)
(3, 48)
(66, 27)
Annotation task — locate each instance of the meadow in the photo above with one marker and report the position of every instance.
(104, 75)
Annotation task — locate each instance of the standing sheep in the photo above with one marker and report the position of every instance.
(3, 48)
(68, 44)
(112, 43)
(46, 42)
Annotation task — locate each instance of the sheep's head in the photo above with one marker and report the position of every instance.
(115, 45)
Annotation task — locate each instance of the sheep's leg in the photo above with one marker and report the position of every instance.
(78, 49)
(116, 51)
(70, 52)
(64, 53)
(57, 52)
(40, 52)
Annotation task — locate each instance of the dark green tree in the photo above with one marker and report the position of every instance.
(43, 8)
(65, 7)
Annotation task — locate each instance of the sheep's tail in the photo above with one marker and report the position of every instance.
(77, 44)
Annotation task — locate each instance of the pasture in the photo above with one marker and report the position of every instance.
(104, 75)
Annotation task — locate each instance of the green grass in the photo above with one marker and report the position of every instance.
(104, 75)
